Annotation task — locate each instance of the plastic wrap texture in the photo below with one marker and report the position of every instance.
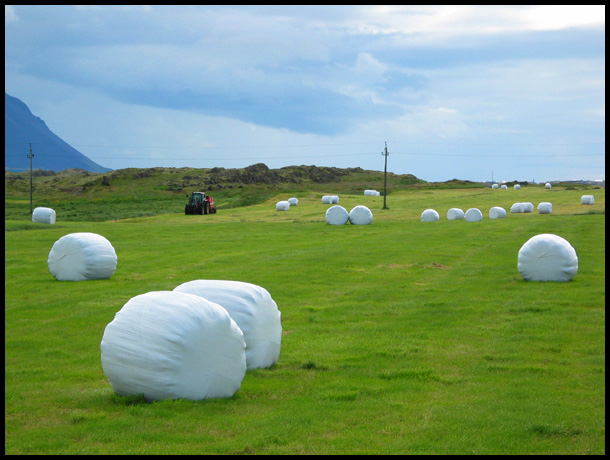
(497, 212)
(547, 257)
(429, 215)
(282, 206)
(545, 208)
(172, 345)
(254, 311)
(473, 215)
(82, 256)
(360, 215)
(455, 214)
(293, 201)
(587, 199)
(516, 208)
(330, 199)
(43, 215)
(336, 215)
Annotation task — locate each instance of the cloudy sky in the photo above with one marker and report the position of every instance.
(467, 92)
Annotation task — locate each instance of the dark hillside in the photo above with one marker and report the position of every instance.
(22, 128)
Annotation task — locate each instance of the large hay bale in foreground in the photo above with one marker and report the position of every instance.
(173, 345)
(254, 311)
(429, 215)
(360, 215)
(473, 215)
(455, 214)
(548, 185)
(497, 212)
(547, 257)
(528, 206)
(337, 215)
(82, 256)
(43, 215)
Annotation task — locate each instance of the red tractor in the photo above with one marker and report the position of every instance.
(200, 203)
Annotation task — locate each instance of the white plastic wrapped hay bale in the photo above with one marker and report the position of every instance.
(254, 311)
(173, 345)
(337, 215)
(517, 208)
(494, 186)
(429, 215)
(293, 201)
(282, 206)
(455, 214)
(517, 186)
(587, 199)
(504, 187)
(547, 185)
(497, 212)
(547, 257)
(360, 215)
(42, 215)
(545, 207)
(326, 199)
(528, 206)
(473, 215)
(334, 199)
(371, 193)
(82, 256)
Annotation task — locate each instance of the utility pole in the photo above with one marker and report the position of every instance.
(385, 174)
(30, 156)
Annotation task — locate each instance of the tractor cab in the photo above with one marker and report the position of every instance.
(200, 203)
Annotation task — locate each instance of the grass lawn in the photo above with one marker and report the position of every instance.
(400, 337)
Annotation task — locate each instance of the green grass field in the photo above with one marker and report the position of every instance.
(400, 337)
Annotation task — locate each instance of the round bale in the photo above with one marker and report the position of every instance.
(545, 208)
(587, 199)
(517, 208)
(497, 212)
(547, 257)
(42, 215)
(528, 206)
(429, 215)
(293, 201)
(173, 345)
(473, 215)
(547, 185)
(337, 215)
(82, 256)
(282, 206)
(360, 215)
(455, 214)
(252, 309)
(516, 186)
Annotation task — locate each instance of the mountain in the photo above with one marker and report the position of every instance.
(22, 128)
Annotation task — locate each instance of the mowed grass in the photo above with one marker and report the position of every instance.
(400, 337)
